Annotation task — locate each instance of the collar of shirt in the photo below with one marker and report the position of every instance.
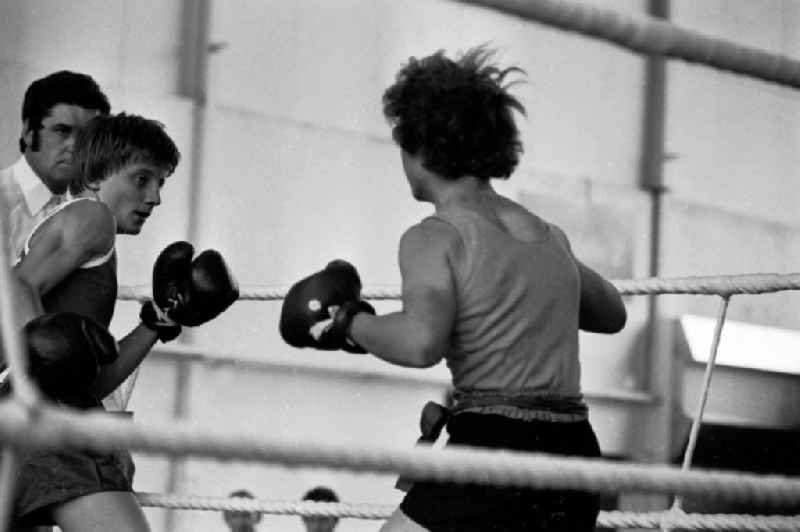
(34, 190)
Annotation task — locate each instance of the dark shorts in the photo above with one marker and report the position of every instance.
(46, 479)
(444, 507)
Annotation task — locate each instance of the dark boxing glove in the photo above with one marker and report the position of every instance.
(65, 352)
(318, 310)
(187, 292)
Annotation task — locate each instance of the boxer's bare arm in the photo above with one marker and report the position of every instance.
(602, 309)
(133, 348)
(69, 239)
(416, 336)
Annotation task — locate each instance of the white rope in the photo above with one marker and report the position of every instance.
(612, 519)
(60, 427)
(703, 400)
(694, 521)
(721, 285)
(241, 504)
(652, 36)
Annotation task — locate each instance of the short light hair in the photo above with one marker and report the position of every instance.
(108, 143)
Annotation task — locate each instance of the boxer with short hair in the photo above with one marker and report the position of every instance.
(68, 264)
(489, 287)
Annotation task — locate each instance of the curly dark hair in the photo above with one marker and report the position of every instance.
(456, 114)
(108, 143)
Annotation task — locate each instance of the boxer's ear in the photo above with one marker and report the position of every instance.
(25, 136)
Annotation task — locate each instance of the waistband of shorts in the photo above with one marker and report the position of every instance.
(522, 405)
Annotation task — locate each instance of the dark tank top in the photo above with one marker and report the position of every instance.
(90, 290)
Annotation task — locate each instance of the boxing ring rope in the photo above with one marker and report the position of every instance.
(606, 519)
(703, 400)
(651, 36)
(53, 428)
(61, 427)
(721, 285)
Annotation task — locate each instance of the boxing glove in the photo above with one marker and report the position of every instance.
(65, 351)
(187, 291)
(318, 310)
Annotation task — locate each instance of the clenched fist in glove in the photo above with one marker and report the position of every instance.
(187, 292)
(317, 310)
(65, 352)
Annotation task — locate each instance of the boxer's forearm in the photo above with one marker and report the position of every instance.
(397, 338)
(133, 348)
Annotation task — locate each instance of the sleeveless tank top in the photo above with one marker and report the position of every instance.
(514, 345)
(90, 290)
